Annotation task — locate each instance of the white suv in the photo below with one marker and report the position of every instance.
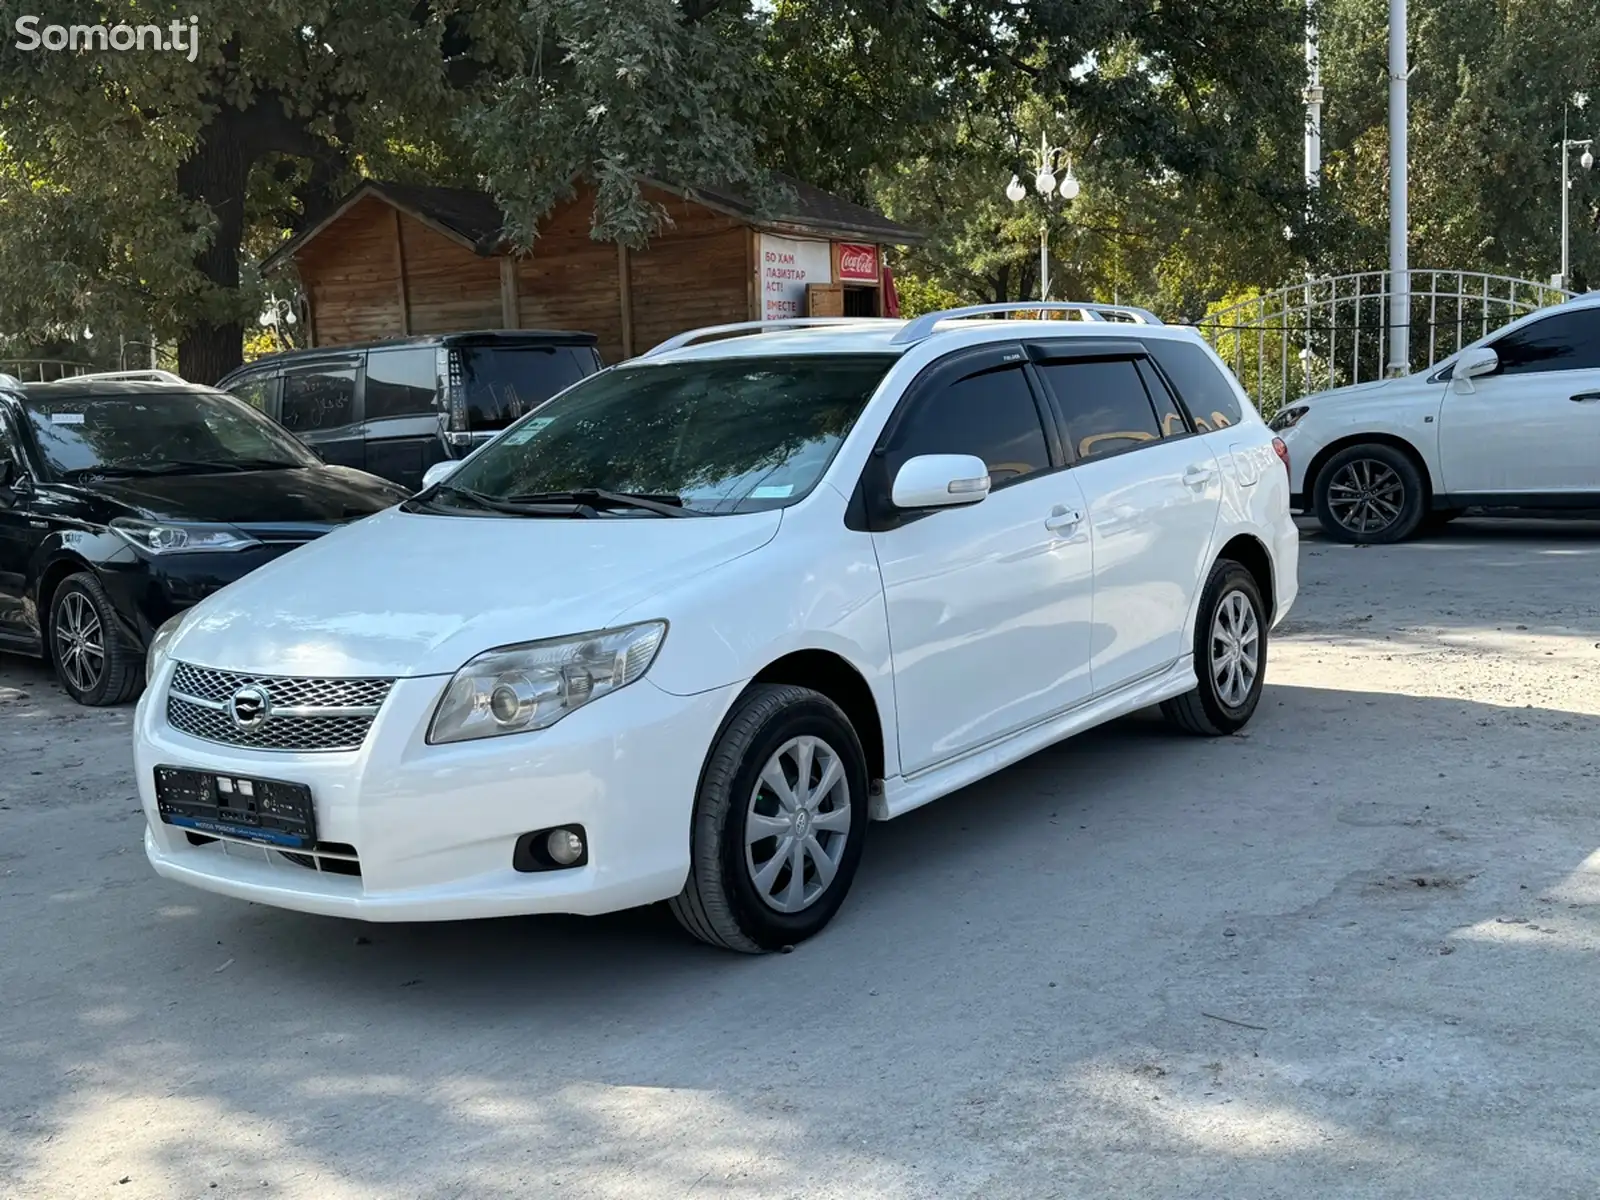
(1511, 421)
(679, 633)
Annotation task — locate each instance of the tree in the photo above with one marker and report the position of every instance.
(139, 188)
(130, 182)
(1489, 81)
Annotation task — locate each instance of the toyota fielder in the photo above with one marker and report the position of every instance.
(683, 630)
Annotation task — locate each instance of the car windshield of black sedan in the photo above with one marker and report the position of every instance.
(156, 433)
(719, 436)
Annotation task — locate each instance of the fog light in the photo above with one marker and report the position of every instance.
(553, 848)
(564, 847)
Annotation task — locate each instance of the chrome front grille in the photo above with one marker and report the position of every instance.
(300, 713)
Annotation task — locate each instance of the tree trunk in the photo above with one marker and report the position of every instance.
(208, 352)
(216, 175)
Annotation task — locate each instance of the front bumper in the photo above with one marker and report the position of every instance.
(434, 827)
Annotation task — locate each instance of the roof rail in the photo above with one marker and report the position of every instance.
(745, 328)
(923, 326)
(10, 381)
(149, 374)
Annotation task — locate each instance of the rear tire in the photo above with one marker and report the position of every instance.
(1372, 495)
(761, 875)
(1230, 656)
(92, 659)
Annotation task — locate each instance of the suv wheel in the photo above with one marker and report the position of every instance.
(1371, 494)
(1230, 656)
(93, 661)
(778, 824)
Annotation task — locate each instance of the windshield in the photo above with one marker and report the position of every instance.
(726, 435)
(140, 433)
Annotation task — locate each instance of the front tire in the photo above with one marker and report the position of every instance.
(1370, 495)
(778, 823)
(1230, 656)
(92, 659)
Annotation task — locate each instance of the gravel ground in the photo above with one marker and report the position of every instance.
(1351, 953)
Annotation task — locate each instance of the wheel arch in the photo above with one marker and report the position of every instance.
(54, 572)
(838, 679)
(1251, 553)
(1321, 459)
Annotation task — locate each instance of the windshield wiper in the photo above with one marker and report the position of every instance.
(264, 464)
(665, 503)
(165, 466)
(563, 508)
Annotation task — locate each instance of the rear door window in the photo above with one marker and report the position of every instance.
(318, 398)
(1104, 403)
(401, 383)
(501, 384)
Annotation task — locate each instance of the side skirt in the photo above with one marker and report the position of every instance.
(903, 793)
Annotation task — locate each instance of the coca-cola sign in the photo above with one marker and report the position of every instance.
(858, 262)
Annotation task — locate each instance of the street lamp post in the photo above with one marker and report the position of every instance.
(275, 316)
(1044, 182)
(1586, 161)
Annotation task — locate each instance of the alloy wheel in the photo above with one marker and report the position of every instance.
(1235, 649)
(80, 642)
(797, 824)
(1366, 496)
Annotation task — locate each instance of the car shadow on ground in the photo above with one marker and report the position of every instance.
(1137, 961)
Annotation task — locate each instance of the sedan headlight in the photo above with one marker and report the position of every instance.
(532, 686)
(1288, 418)
(171, 537)
(156, 655)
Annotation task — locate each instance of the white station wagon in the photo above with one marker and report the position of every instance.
(683, 630)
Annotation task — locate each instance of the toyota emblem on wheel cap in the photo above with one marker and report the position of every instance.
(249, 707)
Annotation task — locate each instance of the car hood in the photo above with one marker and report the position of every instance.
(301, 496)
(408, 594)
(1353, 392)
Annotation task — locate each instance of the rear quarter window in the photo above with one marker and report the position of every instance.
(502, 384)
(1202, 386)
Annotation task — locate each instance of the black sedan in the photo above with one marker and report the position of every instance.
(123, 503)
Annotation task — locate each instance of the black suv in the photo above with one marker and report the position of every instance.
(123, 503)
(396, 408)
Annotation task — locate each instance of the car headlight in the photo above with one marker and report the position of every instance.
(156, 655)
(1288, 418)
(532, 686)
(171, 537)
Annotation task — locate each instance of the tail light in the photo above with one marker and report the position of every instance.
(1282, 451)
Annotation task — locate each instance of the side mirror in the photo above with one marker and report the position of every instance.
(1474, 364)
(940, 481)
(439, 472)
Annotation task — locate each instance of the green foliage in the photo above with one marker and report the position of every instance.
(138, 190)
(919, 295)
(1489, 81)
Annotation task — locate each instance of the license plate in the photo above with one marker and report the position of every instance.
(268, 811)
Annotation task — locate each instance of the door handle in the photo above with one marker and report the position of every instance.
(1062, 519)
(1586, 397)
(1198, 476)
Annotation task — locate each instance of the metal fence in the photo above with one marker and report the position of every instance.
(41, 370)
(1335, 331)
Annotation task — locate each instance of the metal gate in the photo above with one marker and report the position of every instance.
(1332, 332)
